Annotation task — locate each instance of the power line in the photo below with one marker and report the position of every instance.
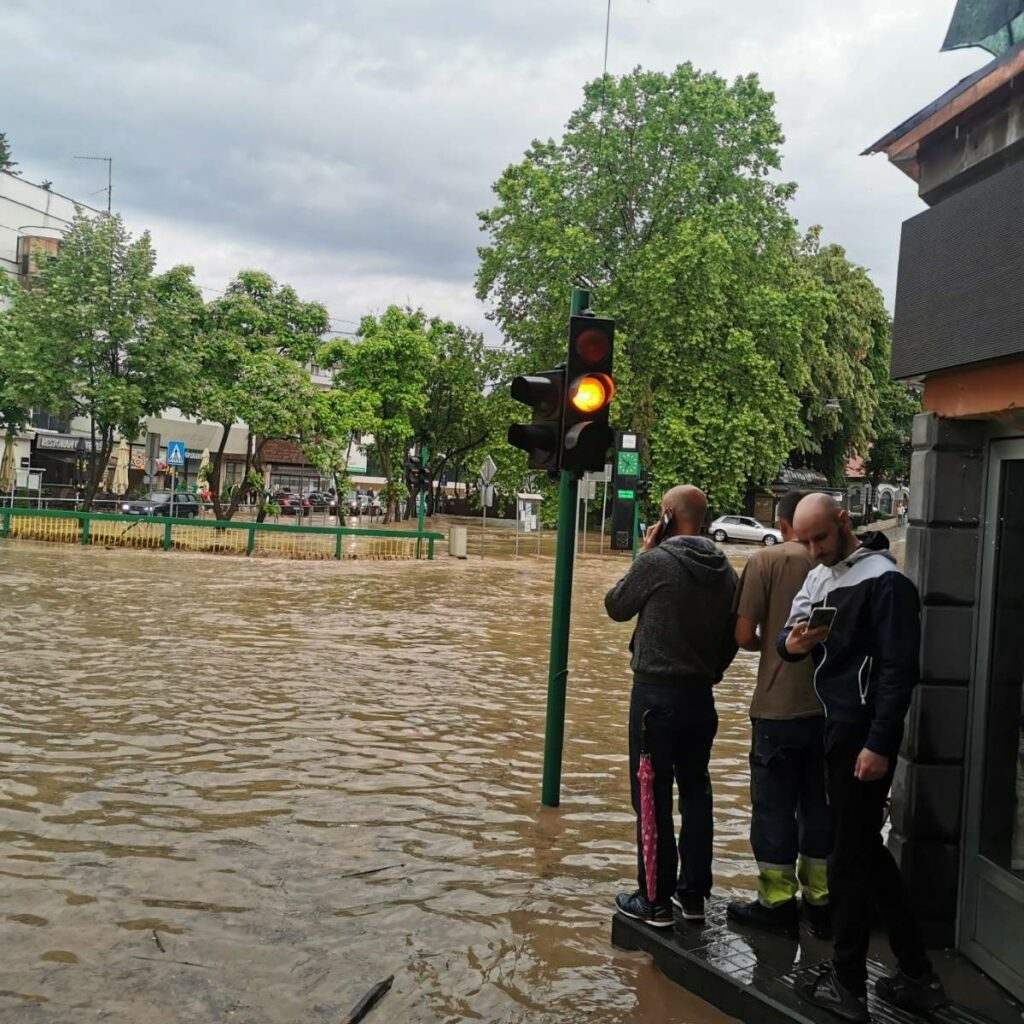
(109, 160)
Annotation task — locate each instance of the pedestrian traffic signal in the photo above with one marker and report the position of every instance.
(415, 474)
(541, 439)
(586, 433)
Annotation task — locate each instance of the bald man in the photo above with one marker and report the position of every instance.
(681, 589)
(866, 668)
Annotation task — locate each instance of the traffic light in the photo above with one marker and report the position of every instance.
(542, 438)
(411, 470)
(590, 388)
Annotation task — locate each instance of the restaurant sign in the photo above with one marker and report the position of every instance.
(59, 443)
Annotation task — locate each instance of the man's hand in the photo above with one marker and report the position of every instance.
(870, 767)
(802, 640)
(651, 536)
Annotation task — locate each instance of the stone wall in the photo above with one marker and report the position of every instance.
(942, 559)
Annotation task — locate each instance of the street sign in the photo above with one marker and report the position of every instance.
(487, 470)
(176, 454)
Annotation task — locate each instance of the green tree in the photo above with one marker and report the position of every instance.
(14, 409)
(339, 415)
(660, 193)
(99, 336)
(7, 162)
(462, 409)
(256, 345)
(846, 350)
(389, 362)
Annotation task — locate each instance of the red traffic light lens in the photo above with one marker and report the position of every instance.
(592, 346)
(592, 393)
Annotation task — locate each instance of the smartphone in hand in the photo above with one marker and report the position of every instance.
(663, 525)
(822, 618)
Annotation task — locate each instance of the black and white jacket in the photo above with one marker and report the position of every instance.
(866, 671)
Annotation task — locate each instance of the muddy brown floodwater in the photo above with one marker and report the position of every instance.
(247, 791)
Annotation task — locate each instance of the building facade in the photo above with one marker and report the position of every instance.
(958, 800)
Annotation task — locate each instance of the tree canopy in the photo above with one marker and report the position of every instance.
(98, 335)
(733, 330)
(7, 161)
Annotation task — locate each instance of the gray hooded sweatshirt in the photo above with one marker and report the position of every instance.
(683, 592)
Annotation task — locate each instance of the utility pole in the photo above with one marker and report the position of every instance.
(109, 160)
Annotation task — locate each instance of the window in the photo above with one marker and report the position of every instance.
(43, 420)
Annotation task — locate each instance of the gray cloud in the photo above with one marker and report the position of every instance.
(346, 147)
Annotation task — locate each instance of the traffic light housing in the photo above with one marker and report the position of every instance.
(589, 390)
(542, 438)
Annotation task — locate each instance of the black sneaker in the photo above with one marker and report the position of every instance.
(822, 988)
(691, 907)
(634, 905)
(783, 918)
(917, 995)
(819, 919)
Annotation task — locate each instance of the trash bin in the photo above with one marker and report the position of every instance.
(457, 539)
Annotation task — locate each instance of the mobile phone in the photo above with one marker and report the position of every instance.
(663, 524)
(822, 617)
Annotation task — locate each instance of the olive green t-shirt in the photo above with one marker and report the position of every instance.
(770, 581)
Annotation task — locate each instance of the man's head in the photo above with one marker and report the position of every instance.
(786, 509)
(688, 506)
(823, 527)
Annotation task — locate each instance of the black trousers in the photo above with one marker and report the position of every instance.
(680, 727)
(862, 873)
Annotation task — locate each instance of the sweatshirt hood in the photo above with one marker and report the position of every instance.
(872, 542)
(704, 561)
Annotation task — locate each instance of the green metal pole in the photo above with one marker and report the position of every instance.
(421, 505)
(636, 525)
(558, 661)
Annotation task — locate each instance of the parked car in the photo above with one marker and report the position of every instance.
(320, 501)
(291, 504)
(744, 528)
(158, 503)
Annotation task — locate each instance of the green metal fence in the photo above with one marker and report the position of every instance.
(213, 536)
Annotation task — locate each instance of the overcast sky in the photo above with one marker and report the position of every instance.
(346, 146)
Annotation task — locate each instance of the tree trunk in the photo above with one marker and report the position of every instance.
(217, 472)
(99, 466)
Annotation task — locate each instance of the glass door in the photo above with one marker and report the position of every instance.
(992, 917)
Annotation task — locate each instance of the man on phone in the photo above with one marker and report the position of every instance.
(866, 660)
(790, 823)
(681, 588)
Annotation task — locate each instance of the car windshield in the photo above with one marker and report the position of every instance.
(159, 495)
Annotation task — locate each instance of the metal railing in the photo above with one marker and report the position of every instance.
(213, 536)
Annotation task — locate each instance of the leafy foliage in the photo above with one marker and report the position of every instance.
(389, 363)
(7, 161)
(733, 332)
(98, 335)
(254, 350)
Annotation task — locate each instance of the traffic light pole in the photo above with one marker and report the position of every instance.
(558, 660)
(421, 503)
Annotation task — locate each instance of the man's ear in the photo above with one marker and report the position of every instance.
(843, 518)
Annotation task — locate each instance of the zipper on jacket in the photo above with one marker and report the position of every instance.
(863, 687)
(824, 658)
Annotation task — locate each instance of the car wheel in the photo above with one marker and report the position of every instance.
(770, 540)
(720, 536)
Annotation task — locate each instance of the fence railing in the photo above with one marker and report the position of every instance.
(213, 536)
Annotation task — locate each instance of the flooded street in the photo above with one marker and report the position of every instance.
(247, 791)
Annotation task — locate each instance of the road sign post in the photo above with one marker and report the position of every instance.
(175, 461)
(487, 472)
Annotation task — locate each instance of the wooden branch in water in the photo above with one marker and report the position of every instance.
(370, 1000)
(164, 960)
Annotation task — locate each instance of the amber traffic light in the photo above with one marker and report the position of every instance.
(586, 433)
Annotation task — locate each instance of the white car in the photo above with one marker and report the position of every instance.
(744, 528)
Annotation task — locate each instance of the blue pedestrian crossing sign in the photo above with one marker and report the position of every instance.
(176, 453)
